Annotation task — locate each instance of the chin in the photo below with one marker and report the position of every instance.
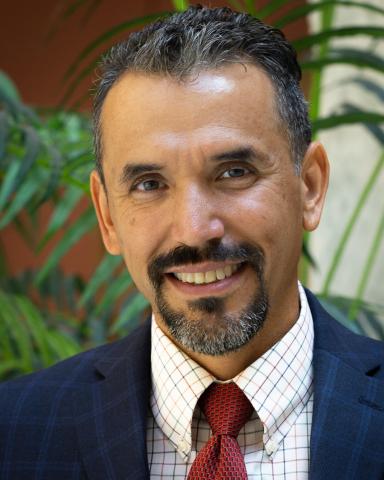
(207, 328)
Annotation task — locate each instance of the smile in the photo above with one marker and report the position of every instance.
(199, 278)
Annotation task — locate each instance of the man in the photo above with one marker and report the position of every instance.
(205, 179)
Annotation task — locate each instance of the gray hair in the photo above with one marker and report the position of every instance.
(202, 38)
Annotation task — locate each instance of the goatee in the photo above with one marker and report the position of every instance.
(225, 332)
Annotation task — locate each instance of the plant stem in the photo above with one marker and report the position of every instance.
(314, 111)
(367, 270)
(351, 223)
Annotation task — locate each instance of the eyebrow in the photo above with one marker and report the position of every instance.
(246, 154)
(132, 170)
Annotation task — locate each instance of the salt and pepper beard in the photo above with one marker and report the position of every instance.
(228, 332)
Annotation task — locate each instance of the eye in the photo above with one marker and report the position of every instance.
(235, 172)
(148, 185)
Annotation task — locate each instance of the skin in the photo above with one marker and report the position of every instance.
(191, 197)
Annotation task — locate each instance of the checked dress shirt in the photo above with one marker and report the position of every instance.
(274, 442)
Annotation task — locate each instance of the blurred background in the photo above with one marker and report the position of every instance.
(59, 292)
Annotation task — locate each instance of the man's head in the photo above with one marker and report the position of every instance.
(200, 132)
(190, 42)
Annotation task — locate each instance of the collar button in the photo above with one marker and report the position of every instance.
(270, 447)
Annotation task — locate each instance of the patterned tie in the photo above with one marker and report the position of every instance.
(227, 409)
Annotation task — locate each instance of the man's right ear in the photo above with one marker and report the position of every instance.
(106, 225)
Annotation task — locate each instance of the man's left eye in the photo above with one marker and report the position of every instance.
(235, 172)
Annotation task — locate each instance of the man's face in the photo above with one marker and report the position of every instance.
(203, 202)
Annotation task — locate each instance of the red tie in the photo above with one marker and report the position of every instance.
(227, 409)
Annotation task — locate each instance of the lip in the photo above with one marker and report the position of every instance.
(219, 287)
(202, 267)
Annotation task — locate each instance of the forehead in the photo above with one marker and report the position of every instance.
(143, 112)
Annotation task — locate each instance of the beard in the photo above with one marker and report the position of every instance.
(205, 327)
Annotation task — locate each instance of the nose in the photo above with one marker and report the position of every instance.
(196, 217)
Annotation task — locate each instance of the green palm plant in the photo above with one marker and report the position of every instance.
(47, 157)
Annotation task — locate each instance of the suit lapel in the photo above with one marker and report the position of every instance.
(348, 401)
(111, 413)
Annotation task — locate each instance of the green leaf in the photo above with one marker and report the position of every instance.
(71, 9)
(347, 119)
(304, 10)
(4, 132)
(271, 7)
(61, 213)
(11, 365)
(19, 168)
(340, 248)
(9, 181)
(115, 289)
(16, 330)
(250, 7)
(372, 254)
(54, 177)
(82, 159)
(21, 199)
(6, 350)
(368, 321)
(346, 56)
(32, 147)
(8, 88)
(80, 227)
(371, 319)
(332, 306)
(110, 34)
(321, 37)
(9, 96)
(372, 87)
(130, 313)
(236, 5)
(308, 255)
(180, 5)
(102, 276)
(101, 41)
(36, 328)
(326, 21)
(62, 345)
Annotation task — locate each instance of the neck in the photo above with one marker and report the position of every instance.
(227, 366)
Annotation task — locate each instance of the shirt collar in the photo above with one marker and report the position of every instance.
(177, 384)
(278, 384)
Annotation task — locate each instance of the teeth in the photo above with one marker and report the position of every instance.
(210, 276)
(199, 278)
(220, 274)
(228, 270)
(207, 277)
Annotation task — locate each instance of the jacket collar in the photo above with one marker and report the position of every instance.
(111, 413)
(348, 388)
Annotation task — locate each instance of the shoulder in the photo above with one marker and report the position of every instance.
(38, 423)
(356, 350)
(36, 393)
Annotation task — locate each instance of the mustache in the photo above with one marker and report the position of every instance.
(213, 251)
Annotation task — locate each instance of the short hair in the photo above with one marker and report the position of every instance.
(202, 38)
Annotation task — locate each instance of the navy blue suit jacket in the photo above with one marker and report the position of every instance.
(85, 418)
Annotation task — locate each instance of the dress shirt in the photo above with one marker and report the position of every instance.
(274, 442)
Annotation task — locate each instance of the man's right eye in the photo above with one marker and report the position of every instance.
(148, 185)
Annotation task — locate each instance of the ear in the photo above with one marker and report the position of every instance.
(106, 225)
(314, 182)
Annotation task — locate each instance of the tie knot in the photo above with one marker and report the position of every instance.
(226, 407)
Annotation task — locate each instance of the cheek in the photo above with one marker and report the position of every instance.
(267, 218)
(139, 246)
